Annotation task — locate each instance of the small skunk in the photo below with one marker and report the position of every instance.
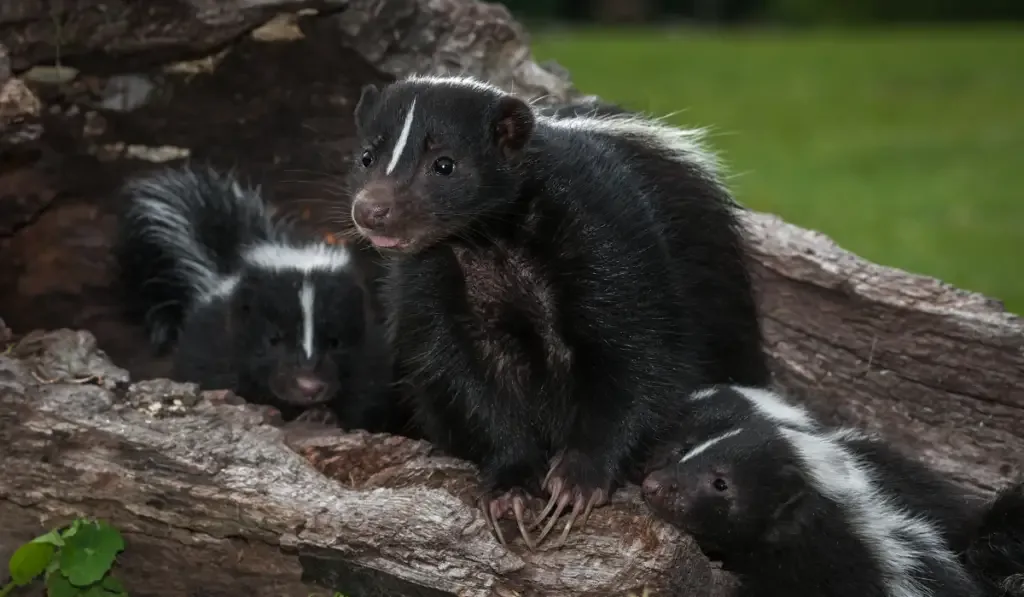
(280, 321)
(715, 409)
(996, 549)
(719, 409)
(795, 512)
(554, 281)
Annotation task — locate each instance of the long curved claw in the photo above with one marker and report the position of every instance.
(557, 460)
(598, 497)
(496, 506)
(563, 501)
(571, 480)
(518, 508)
(556, 489)
(486, 508)
(579, 506)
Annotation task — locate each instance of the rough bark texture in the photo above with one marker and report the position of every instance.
(213, 497)
(207, 487)
(935, 369)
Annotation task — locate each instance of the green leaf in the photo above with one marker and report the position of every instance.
(97, 590)
(29, 561)
(88, 555)
(73, 527)
(53, 538)
(57, 585)
(113, 585)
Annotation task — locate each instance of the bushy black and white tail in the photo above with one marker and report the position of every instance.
(996, 553)
(181, 232)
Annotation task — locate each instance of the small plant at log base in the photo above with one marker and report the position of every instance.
(74, 562)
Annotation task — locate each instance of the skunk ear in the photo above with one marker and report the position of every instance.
(366, 105)
(791, 515)
(513, 124)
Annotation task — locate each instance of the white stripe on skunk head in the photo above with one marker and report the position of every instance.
(703, 447)
(306, 301)
(306, 259)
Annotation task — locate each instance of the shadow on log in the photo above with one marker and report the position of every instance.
(214, 497)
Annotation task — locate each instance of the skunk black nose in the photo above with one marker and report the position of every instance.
(371, 209)
(309, 386)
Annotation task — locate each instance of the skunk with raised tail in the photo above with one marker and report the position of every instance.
(248, 306)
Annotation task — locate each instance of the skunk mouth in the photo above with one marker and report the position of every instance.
(386, 242)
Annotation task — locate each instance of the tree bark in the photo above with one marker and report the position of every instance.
(211, 498)
(214, 497)
(934, 369)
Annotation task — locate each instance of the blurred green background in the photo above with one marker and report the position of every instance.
(894, 126)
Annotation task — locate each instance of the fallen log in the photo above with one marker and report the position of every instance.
(936, 370)
(201, 484)
(397, 36)
(42, 31)
(215, 498)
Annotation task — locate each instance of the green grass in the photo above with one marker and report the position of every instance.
(906, 147)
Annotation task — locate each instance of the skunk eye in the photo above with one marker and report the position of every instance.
(275, 338)
(720, 484)
(444, 166)
(367, 158)
(333, 343)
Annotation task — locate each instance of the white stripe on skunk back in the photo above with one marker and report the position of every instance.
(766, 403)
(900, 540)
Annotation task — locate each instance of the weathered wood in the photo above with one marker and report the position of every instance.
(208, 492)
(41, 31)
(398, 36)
(934, 369)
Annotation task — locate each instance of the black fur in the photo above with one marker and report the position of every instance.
(250, 341)
(996, 551)
(554, 290)
(750, 502)
(240, 317)
(180, 232)
(710, 411)
(918, 487)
